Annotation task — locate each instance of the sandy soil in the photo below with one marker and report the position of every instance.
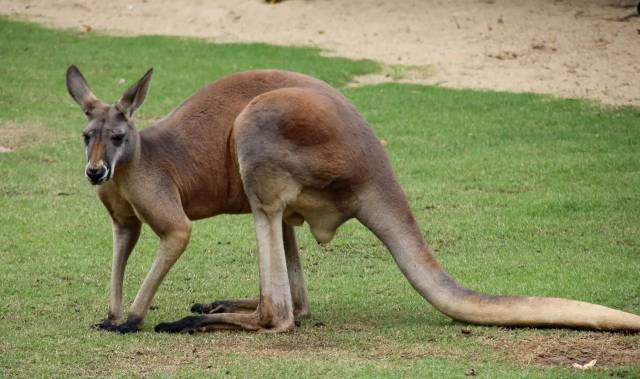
(570, 48)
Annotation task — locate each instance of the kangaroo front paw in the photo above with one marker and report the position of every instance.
(110, 326)
(200, 308)
(104, 324)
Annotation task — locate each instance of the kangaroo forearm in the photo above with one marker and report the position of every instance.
(125, 237)
(171, 247)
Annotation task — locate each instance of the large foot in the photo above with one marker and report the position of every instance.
(185, 325)
(240, 306)
(124, 328)
(215, 307)
(192, 324)
(226, 306)
(217, 321)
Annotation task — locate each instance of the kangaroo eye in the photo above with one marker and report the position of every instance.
(117, 139)
(87, 138)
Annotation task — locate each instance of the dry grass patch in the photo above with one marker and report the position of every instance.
(221, 349)
(565, 348)
(14, 136)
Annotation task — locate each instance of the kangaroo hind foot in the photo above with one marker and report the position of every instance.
(226, 306)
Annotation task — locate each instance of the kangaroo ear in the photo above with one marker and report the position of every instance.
(79, 90)
(135, 95)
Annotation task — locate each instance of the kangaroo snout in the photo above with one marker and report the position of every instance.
(97, 174)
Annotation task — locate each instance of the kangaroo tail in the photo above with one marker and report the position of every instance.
(388, 216)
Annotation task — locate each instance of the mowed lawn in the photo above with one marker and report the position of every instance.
(518, 194)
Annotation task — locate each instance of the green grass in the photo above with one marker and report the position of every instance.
(518, 193)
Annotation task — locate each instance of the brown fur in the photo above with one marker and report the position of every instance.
(288, 148)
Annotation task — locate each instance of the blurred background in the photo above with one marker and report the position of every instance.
(569, 48)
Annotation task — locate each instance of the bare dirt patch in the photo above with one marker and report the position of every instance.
(15, 136)
(570, 48)
(566, 348)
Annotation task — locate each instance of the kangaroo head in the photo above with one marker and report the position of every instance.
(110, 136)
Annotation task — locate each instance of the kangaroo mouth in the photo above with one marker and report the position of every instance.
(104, 178)
(99, 176)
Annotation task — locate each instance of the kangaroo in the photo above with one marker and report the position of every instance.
(288, 148)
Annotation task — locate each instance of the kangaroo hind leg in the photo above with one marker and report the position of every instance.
(296, 283)
(274, 311)
(295, 273)
(268, 192)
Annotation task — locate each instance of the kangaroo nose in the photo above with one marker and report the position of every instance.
(95, 174)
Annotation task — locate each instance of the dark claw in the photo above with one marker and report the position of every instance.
(128, 328)
(167, 327)
(200, 308)
(187, 324)
(219, 306)
(108, 325)
(103, 325)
